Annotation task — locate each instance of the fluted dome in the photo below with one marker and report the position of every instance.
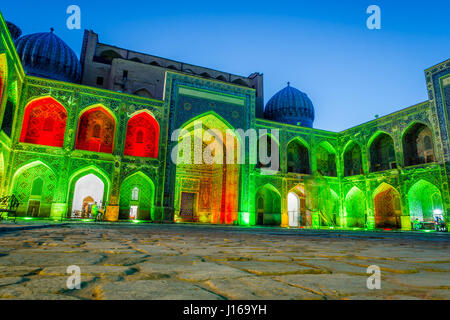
(45, 55)
(13, 30)
(290, 106)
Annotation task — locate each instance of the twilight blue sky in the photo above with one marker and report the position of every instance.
(322, 47)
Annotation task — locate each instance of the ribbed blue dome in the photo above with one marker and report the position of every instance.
(45, 55)
(290, 106)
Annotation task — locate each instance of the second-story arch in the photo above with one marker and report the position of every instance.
(96, 130)
(142, 138)
(298, 157)
(326, 159)
(382, 152)
(352, 159)
(418, 145)
(44, 123)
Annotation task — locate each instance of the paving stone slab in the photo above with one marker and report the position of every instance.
(95, 270)
(423, 279)
(273, 268)
(259, 288)
(334, 285)
(50, 259)
(154, 290)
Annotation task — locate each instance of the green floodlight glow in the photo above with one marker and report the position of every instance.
(87, 220)
(28, 218)
(246, 218)
(428, 231)
(137, 221)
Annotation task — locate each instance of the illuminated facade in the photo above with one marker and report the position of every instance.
(68, 143)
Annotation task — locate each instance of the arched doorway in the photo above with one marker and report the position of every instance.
(268, 206)
(293, 209)
(89, 190)
(388, 209)
(207, 172)
(136, 197)
(355, 209)
(425, 201)
(34, 185)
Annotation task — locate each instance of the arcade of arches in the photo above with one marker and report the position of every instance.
(45, 120)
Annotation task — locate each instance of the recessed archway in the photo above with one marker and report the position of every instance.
(34, 184)
(352, 159)
(296, 207)
(268, 206)
(418, 146)
(268, 153)
(298, 157)
(142, 138)
(424, 200)
(326, 159)
(44, 123)
(207, 172)
(96, 131)
(136, 196)
(355, 208)
(388, 209)
(328, 208)
(89, 190)
(382, 152)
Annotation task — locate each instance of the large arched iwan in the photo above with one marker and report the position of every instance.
(44, 123)
(96, 131)
(142, 136)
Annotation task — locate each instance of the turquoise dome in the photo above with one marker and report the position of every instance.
(45, 55)
(290, 106)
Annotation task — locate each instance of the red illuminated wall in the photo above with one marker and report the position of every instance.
(142, 136)
(44, 123)
(96, 131)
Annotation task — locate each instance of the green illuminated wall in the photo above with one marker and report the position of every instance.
(338, 188)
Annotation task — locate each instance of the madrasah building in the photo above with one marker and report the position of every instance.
(98, 129)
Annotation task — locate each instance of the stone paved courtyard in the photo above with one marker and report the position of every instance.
(211, 262)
